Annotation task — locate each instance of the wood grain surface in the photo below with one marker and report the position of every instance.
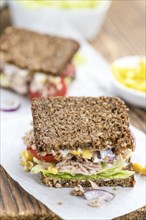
(122, 34)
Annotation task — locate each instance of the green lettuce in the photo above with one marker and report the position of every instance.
(37, 169)
(119, 175)
(114, 172)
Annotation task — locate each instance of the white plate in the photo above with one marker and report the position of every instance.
(126, 200)
(88, 82)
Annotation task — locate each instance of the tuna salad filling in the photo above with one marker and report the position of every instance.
(23, 82)
(75, 164)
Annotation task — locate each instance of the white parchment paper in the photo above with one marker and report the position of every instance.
(126, 200)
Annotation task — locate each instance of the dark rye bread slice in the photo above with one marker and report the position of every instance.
(81, 122)
(37, 52)
(59, 183)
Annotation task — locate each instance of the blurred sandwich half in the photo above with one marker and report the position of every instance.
(78, 139)
(36, 64)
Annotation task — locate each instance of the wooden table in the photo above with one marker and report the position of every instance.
(122, 34)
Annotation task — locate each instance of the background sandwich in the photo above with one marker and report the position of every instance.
(78, 139)
(36, 64)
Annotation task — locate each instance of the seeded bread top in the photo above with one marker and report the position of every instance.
(37, 52)
(81, 122)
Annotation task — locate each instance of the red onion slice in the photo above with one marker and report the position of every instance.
(94, 185)
(96, 202)
(10, 105)
(99, 193)
(107, 153)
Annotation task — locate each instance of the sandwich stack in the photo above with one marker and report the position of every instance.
(36, 64)
(76, 140)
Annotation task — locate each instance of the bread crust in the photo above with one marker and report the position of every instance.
(81, 122)
(59, 183)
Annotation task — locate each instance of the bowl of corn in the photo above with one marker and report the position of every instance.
(129, 79)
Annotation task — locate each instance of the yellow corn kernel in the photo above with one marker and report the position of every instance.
(105, 159)
(76, 152)
(79, 59)
(22, 162)
(143, 171)
(4, 81)
(137, 167)
(87, 154)
(132, 77)
(53, 170)
(67, 80)
(27, 156)
(28, 166)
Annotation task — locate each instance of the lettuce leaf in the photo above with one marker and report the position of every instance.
(114, 172)
(120, 175)
(37, 169)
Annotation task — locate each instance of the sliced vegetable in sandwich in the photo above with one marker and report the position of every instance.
(34, 64)
(76, 140)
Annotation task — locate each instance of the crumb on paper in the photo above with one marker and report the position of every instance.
(115, 189)
(78, 191)
(60, 203)
(96, 203)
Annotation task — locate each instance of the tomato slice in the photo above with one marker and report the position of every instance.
(51, 87)
(34, 94)
(49, 158)
(63, 91)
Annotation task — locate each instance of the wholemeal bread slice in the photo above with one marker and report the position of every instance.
(37, 52)
(81, 122)
(58, 183)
